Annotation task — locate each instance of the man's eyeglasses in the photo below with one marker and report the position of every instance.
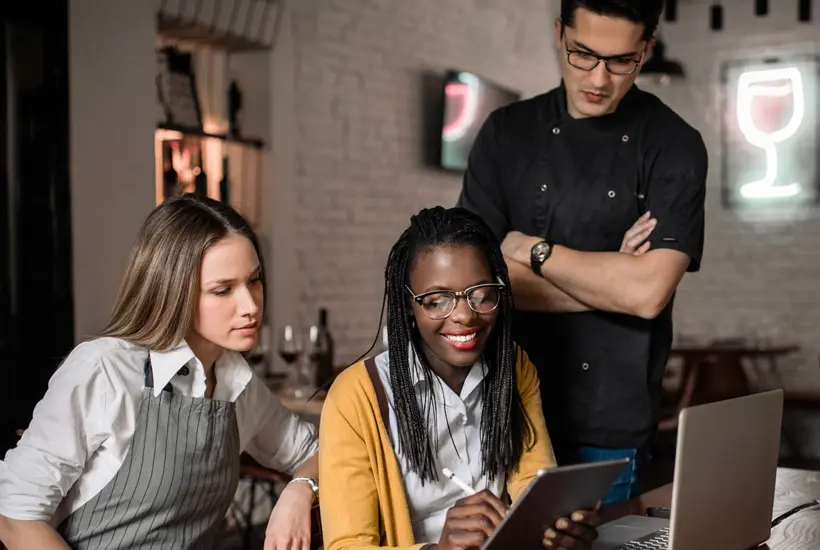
(440, 304)
(587, 61)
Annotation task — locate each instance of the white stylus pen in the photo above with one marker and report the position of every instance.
(464, 487)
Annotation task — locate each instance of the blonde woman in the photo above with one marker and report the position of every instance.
(136, 443)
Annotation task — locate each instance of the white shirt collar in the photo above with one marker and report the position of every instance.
(233, 369)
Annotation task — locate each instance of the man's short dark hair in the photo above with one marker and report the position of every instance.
(645, 12)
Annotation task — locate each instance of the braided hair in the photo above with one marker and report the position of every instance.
(505, 427)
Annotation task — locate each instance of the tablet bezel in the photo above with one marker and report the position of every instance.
(558, 492)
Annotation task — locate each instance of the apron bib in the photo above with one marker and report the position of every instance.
(175, 484)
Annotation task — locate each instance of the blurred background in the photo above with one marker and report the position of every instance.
(329, 122)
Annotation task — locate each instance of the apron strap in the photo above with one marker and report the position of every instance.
(381, 397)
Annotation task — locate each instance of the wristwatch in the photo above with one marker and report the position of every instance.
(539, 253)
(310, 481)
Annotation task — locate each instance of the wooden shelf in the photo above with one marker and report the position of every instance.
(192, 31)
(250, 142)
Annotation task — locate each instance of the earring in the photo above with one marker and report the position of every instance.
(412, 322)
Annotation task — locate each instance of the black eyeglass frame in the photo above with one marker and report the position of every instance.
(455, 295)
(606, 59)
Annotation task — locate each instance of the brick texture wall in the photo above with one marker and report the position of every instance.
(364, 92)
(361, 124)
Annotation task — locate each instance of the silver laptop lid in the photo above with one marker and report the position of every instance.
(725, 472)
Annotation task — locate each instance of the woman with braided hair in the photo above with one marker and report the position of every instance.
(452, 392)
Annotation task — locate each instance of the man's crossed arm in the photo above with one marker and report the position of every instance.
(635, 280)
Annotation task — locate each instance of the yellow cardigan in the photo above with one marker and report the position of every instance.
(362, 499)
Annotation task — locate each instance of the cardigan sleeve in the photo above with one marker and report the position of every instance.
(348, 495)
(540, 454)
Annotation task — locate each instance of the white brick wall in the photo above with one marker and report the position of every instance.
(357, 132)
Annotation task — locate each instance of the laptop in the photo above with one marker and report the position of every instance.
(723, 492)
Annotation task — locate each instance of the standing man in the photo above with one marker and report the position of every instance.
(596, 189)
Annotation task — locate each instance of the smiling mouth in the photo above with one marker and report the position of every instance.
(461, 338)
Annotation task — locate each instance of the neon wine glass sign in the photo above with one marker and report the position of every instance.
(769, 83)
(467, 90)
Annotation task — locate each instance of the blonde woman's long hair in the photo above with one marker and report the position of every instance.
(157, 300)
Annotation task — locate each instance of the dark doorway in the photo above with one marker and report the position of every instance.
(36, 311)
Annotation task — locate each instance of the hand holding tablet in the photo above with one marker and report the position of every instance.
(557, 511)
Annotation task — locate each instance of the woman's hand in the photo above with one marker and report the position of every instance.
(471, 521)
(575, 533)
(289, 524)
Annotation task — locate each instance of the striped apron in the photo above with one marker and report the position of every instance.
(174, 486)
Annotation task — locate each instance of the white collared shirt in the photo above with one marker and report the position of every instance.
(429, 503)
(82, 429)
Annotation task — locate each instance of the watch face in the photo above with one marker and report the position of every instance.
(540, 252)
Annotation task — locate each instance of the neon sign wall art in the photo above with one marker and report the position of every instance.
(468, 101)
(769, 83)
(465, 89)
(770, 132)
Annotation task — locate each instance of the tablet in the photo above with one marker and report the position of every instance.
(554, 493)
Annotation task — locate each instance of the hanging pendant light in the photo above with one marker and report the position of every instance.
(670, 11)
(804, 11)
(716, 17)
(659, 69)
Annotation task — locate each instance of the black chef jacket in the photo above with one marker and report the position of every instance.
(582, 183)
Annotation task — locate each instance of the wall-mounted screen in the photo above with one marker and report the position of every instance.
(468, 101)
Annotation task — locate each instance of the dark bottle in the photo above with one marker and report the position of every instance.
(321, 353)
(234, 108)
(170, 179)
(224, 183)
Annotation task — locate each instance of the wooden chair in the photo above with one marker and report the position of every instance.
(805, 400)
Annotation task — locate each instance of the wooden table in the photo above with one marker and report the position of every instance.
(794, 487)
(716, 372)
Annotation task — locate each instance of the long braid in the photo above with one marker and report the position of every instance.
(505, 427)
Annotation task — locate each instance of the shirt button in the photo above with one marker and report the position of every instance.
(543, 187)
(556, 130)
(585, 366)
(611, 194)
(625, 138)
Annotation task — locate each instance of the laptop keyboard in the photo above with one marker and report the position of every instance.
(659, 540)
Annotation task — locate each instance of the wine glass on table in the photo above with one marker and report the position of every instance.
(290, 350)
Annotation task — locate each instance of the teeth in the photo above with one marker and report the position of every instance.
(466, 338)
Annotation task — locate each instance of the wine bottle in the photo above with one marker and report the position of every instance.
(170, 178)
(322, 350)
(201, 179)
(224, 183)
